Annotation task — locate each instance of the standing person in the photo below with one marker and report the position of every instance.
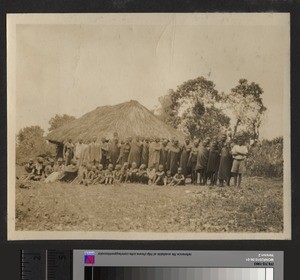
(145, 152)
(79, 151)
(213, 162)
(68, 151)
(202, 159)
(225, 165)
(239, 154)
(124, 152)
(135, 151)
(192, 161)
(114, 151)
(154, 154)
(94, 150)
(185, 154)
(164, 154)
(173, 157)
(104, 152)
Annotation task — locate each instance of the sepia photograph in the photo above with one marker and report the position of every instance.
(148, 126)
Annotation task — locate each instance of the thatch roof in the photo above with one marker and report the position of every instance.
(127, 119)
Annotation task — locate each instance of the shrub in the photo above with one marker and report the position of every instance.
(266, 159)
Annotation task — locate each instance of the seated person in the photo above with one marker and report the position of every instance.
(38, 171)
(49, 169)
(143, 175)
(82, 177)
(159, 176)
(29, 166)
(168, 179)
(151, 174)
(124, 173)
(57, 171)
(99, 178)
(92, 175)
(178, 179)
(109, 175)
(132, 173)
(117, 173)
(28, 170)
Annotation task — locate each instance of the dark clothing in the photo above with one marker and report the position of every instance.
(113, 152)
(164, 157)
(193, 158)
(173, 159)
(184, 159)
(225, 164)
(68, 152)
(29, 167)
(202, 158)
(69, 174)
(145, 154)
(135, 153)
(124, 153)
(213, 160)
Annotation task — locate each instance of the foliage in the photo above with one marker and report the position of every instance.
(59, 120)
(246, 107)
(266, 159)
(32, 143)
(193, 108)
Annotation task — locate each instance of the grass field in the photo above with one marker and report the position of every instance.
(256, 207)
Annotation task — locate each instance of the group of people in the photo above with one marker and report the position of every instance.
(143, 160)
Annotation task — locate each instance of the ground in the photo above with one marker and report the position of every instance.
(256, 207)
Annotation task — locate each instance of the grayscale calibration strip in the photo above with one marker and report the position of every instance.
(177, 265)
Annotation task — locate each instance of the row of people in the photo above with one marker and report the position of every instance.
(219, 160)
(92, 175)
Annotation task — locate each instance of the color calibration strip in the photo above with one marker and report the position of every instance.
(176, 273)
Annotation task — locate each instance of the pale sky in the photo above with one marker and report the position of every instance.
(73, 66)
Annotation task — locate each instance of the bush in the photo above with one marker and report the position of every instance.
(266, 159)
(31, 143)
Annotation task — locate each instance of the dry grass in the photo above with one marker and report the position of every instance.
(128, 119)
(257, 207)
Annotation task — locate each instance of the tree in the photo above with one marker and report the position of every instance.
(246, 107)
(32, 143)
(59, 120)
(193, 108)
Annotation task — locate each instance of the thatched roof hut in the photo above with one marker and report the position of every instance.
(127, 119)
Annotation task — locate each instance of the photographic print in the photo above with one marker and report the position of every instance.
(149, 126)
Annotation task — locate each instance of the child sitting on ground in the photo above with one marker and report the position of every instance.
(99, 178)
(92, 175)
(109, 175)
(178, 179)
(117, 174)
(124, 173)
(82, 177)
(143, 177)
(159, 176)
(168, 179)
(151, 174)
(132, 173)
